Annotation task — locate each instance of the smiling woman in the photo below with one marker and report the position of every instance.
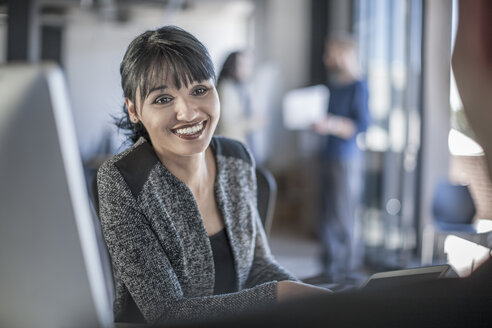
(178, 208)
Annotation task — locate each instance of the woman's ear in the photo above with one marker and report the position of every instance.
(132, 112)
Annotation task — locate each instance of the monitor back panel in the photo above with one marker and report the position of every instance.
(44, 277)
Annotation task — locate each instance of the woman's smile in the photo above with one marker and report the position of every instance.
(190, 131)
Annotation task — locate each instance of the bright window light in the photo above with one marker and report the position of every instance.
(463, 255)
(462, 145)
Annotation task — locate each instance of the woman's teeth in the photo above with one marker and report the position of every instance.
(191, 130)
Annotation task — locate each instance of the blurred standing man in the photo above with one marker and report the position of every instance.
(341, 170)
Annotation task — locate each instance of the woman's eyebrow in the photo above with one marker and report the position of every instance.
(161, 87)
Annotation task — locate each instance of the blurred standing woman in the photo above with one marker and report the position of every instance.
(237, 120)
(178, 208)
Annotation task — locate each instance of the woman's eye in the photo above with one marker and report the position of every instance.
(200, 91)
(163, 100)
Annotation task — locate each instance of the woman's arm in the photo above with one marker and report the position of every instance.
(140, 261)
(264, 267)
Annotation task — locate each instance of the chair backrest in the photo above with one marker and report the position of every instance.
(94, 194)
(453, 203)
(266, 197)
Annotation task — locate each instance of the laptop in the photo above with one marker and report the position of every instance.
(51, 271)
(382, 280)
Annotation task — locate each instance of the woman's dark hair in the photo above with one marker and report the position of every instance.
(229, 68)
(167, 52)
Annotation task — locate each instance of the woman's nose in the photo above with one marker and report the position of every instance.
(185, 111)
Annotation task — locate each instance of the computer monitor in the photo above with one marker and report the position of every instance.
(51, 273)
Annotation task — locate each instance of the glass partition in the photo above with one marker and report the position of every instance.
(390, 39)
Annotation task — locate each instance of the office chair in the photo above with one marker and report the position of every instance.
(266, 196)
(94, 194)
(453, 207)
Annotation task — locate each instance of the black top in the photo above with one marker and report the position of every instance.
(225, 274)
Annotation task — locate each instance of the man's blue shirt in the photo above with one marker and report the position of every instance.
(351, 101)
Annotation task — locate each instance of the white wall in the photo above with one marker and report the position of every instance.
(288, 42)
(340, 16)
(282, 36)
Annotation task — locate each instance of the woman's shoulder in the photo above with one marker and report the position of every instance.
(133, 164)
(227, 147)
(126, 154)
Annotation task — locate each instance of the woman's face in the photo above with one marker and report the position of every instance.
(180, 122)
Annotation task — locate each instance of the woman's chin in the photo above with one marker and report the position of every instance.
(190, 146)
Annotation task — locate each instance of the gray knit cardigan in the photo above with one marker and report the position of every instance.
(162, 260)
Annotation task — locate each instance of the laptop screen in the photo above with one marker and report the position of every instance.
(389, 279)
